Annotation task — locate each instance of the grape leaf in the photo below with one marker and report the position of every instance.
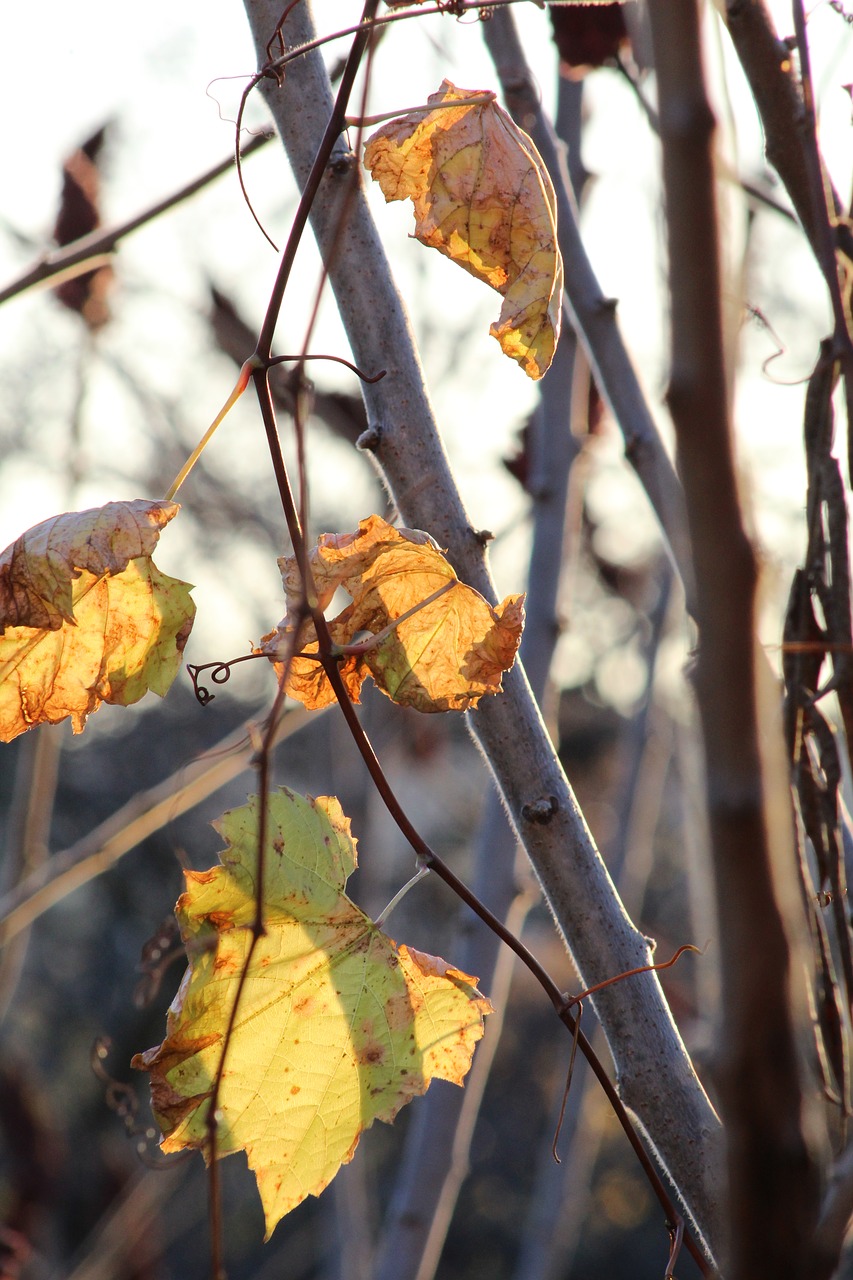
(443, 657)
(86, 617)
(336, 1027)
(482, 196)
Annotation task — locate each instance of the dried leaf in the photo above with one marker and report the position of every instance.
(443, 658)
(589, 36)
(337, 1026)
(86, 617)
(79, 214)
(482, 196)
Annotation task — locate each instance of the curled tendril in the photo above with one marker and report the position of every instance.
(220, 673)
(122, 1099)
(158, 955)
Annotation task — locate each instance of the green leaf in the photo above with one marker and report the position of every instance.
(337, 1026)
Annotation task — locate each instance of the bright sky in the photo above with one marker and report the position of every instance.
(163, 80)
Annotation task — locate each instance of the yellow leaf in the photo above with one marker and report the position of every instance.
(336, 1027)
(482, 196)
(444, 657)
(86, 617)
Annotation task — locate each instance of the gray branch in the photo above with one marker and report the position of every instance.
(655, 1075)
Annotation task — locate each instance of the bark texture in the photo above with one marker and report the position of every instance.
(655, 1074)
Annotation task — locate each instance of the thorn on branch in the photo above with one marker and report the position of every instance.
(483, 536)
(369, 440)
(541, 811)
(342, 166)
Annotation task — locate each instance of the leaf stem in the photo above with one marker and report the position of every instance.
(399, 896)
(239, 387)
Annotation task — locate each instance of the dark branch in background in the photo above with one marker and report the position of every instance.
(758, 195)
(593, 315)
(595, 322)
(788, 118)
(97, 247)
(825, 220)
(767, 64)
(772, 1183)
(403, 439)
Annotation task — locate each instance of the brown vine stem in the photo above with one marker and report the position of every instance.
(428, 858)
(334, 128)
(259, 363)
(404, 441)
(329, 659)
(561, 1002)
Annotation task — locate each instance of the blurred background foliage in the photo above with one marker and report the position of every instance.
(106, 386)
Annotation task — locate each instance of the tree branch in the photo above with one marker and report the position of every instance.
(772, 1186)
(404, 440)
(437, 1151)
(767, 65)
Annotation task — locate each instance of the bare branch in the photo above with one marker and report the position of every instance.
(405, 443)
(767, 64)
(772, 1183)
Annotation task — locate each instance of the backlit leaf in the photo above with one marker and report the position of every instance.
(86, 617)
(482, 196)
(444, 657)
(336, 1027)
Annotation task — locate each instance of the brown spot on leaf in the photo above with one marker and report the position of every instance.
(372, 1054)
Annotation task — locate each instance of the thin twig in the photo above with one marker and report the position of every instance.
(96, 248)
